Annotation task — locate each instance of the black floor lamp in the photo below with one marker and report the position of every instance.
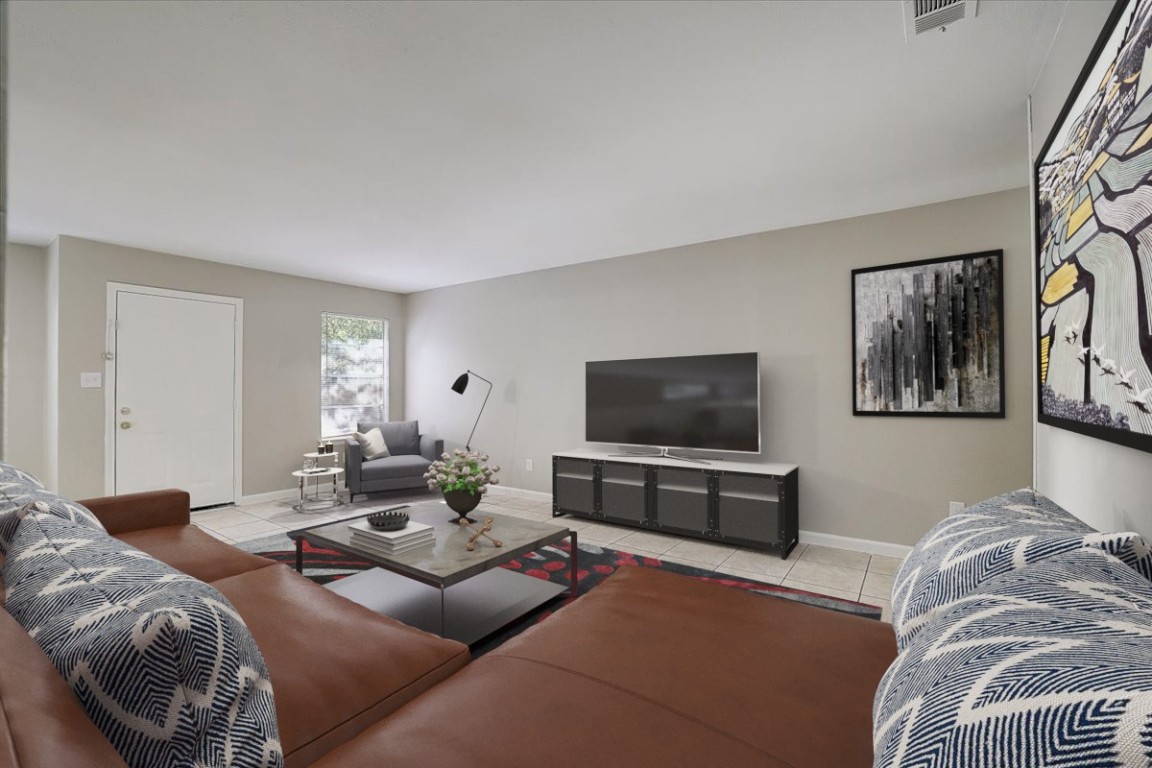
(459, 386)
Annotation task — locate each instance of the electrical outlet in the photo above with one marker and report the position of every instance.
(528, 464)
(955, 507)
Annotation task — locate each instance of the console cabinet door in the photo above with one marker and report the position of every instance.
(573, 486)
(748, 507)
(623, 492)
(682, 499)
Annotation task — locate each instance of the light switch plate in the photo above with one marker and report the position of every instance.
(91, 380)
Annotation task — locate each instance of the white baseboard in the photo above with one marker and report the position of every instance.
(264, 498)
(524, 493)
(860, 545)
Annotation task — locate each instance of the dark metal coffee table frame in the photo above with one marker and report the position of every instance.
(447, 564)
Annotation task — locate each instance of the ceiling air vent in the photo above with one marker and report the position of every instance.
(922, 16)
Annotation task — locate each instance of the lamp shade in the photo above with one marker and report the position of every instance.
(460, 384)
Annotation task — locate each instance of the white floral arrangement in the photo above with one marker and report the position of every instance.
(462, 470)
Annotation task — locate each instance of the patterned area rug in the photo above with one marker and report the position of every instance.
(552, 564)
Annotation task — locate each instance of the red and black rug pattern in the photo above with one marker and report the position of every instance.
(595, 564)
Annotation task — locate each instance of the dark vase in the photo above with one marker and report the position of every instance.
(462, 502)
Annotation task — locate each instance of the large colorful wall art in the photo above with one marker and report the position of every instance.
(1094, 259)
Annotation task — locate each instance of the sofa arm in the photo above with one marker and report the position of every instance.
(353, 458)
(138, 511)
(430, 447)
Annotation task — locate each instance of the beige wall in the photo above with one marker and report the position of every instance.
(281, 354)
(1109, 486)
(51, 477)
(25, 364)
(785, 294)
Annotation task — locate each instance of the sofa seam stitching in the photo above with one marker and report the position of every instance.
(636, 695)
(364, 711)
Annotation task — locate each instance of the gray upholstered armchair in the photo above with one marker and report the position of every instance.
(410, 454)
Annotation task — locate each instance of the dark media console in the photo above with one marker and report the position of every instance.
(737, 503)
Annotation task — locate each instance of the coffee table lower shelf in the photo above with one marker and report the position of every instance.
(468, 611)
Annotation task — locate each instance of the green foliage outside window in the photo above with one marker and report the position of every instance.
(353, 372)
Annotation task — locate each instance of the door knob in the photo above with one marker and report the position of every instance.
(125, 424)
(125, 411)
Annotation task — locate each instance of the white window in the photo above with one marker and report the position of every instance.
(353, 372)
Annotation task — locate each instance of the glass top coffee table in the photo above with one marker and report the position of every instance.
(442, 587)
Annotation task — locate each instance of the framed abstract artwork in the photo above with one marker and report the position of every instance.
(1094, 244)
(928, 337)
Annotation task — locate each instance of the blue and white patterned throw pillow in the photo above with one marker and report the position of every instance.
(162, 663)
(963, 551)
(1027, 505)
(1048, 665)
(18, 488)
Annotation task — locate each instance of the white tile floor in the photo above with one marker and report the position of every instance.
(838, 572)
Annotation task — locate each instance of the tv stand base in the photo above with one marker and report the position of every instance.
(663, 453)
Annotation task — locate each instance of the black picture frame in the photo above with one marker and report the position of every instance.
(928, 337)
(1093, 339)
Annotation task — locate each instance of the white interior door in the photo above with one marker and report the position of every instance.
(174, 418)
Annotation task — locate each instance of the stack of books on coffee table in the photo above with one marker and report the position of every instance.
(411, 536)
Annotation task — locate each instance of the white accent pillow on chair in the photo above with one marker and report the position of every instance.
(372, 444)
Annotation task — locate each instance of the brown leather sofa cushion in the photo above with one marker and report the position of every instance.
(336, 667)
(654, 668)
(187, 548)
(133, 511)
(41, 721)
(503, 711)
(791, 679)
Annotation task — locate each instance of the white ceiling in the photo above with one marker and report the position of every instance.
(407, 146)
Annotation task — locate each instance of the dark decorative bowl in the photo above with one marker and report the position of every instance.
(388, 521)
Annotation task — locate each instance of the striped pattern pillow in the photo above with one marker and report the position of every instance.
(1027, 505)
(963, 551)
(1047, 665)
(18, 488)
(162, 663)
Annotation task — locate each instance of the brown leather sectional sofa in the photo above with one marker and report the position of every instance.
(650, 668)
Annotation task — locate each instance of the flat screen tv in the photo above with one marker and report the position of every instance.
(709, 402)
